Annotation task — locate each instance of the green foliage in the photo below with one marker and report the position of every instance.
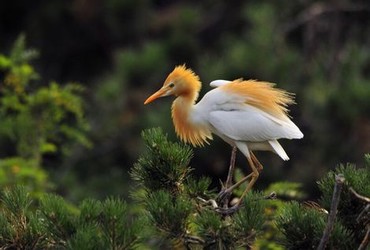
(164, 165)
(303, 228)
(350, 207)
(250, 218)
(36, 120)
(169, 214)
(177, 206)
(52, 223)
(286, 190)
(234, 231)
(174, 200)
(108, 222)
(16, 200)
(87, 237)
(15, 170)
(213, 230)
(198, 187)
(115, 221)
(19, 228)
(177, 218)
(58, 218)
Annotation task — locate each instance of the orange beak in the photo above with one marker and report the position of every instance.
(159, 93)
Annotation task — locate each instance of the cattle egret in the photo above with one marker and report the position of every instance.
(249, 115)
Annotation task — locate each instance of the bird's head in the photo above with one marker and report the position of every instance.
(180, 82)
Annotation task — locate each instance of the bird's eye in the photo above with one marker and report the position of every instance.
(171, 85)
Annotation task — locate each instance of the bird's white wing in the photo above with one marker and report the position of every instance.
(218, 83)
(231, 116)
(251, 124)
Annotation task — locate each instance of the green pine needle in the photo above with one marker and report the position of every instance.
(90, 212)
(169, 214)
(165, 165)
(349, 207)
(16, 200)
(118, 228)
(58, 218)
(198, 188)
(86, 238)
(209, 225)
(303, 228)
(251, 216)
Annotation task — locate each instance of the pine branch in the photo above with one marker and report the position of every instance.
(358, 196)
(365, 241)
(364, 213)
(164, 166)
(339, 181)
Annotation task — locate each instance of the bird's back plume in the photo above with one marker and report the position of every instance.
(262, 95)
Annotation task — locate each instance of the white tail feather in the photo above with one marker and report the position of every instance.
(279, 149)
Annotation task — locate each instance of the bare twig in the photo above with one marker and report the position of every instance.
(361, 197)
(211, 202)
(365, 210)
(339, 181)
(271, 196)
(191, 239)
(365, 241)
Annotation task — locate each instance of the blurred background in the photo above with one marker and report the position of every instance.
(122, 50)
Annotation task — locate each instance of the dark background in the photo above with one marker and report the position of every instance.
(122, 50)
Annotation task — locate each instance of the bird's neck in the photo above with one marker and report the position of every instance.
(189, 131)
(181, 114)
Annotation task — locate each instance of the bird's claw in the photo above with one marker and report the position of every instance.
(224, 210)
(228, 210)
(223, 196)
(211, 202)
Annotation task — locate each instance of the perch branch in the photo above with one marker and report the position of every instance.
(339, 181)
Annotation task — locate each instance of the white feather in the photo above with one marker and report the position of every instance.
(243, 125)
(279, 149)
(218, 83)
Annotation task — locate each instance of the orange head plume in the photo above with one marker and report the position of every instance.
(181, 81)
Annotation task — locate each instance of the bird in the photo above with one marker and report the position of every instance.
(249, 115)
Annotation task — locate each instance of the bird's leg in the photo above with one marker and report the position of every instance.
(231, 168)
(255, 160)
(225, 193)
(228, 188)
(254, 176)
(244, 179)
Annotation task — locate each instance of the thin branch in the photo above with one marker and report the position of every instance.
(361, 197)
(339, 181)
(211, 202)
(191, 239)
(365, 241)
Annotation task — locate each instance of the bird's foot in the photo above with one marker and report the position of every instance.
(228, 210)
(223, 210)
(211, 202)
(224, 195)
